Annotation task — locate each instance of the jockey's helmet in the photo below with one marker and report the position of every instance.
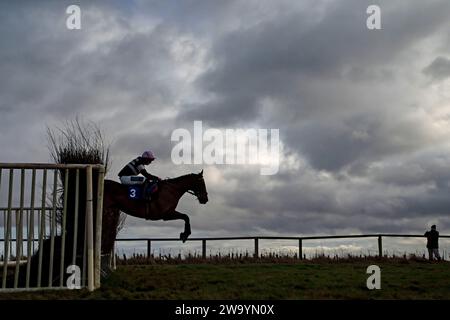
(148, 155)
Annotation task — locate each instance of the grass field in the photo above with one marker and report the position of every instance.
(400, 279)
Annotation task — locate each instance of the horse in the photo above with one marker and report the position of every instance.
(163, 206)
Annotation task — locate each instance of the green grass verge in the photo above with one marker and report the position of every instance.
(303, 280)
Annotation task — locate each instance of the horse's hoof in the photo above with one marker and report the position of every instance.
(183, 237)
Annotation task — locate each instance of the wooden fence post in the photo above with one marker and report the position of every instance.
(380, 247)
(204, 248)
(98, 228)
(300, 249)
(149, 248)
(90, 230)
(256, 248)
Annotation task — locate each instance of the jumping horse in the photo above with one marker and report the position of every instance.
(163, 205)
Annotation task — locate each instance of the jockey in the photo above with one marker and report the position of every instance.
(129, 174)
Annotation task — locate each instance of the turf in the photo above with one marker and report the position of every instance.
(303, 280)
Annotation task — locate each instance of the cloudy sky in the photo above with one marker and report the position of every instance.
(364, 115)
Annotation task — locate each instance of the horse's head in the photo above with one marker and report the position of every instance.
(199, 188)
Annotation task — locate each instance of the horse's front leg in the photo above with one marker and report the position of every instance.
(175, 215)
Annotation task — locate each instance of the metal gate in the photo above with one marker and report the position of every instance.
(41, 209)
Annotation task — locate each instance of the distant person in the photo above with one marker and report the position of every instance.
(433, 243)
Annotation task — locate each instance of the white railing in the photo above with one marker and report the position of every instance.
(31, 218)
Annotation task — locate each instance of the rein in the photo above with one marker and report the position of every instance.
(173, 184)
(196, 193)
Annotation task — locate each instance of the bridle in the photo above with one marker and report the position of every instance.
(195, 193)
(198, 194)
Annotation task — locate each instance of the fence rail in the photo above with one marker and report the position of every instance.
(378, 236)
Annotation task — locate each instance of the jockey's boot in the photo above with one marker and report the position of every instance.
(147, 191)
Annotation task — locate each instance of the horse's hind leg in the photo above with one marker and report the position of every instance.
(175, 215)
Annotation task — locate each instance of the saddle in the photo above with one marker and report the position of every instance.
(146, 191)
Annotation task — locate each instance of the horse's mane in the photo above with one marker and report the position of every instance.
(176, 179)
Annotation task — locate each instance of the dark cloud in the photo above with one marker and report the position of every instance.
(364, 141)
(439, 69)
(277, 57)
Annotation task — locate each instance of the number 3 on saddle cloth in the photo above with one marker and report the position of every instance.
(145, 191)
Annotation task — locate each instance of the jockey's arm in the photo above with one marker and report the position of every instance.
(149, 176)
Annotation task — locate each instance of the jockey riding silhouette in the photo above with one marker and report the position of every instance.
(129, 175)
